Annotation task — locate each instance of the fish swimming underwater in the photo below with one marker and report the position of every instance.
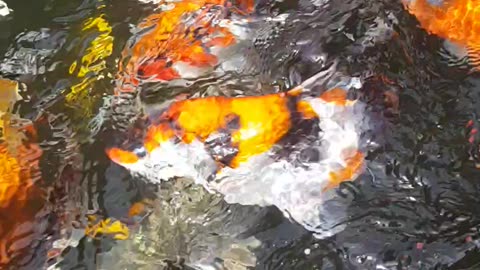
(454, 20)
(233, 146)
(184, 40)
(22, 201)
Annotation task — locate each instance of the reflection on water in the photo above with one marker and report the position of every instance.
(91, 65)
(414, 207)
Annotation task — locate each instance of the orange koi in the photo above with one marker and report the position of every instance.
(246, 126)
(454, 20)
(180, 39)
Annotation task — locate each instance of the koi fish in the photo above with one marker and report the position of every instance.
(184, 41)
(17, 194)
(454, 20)
(21, 200)
(230, 145)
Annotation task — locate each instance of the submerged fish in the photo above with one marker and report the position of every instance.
(22, 201)
(184, 40)
(454, 20)
(233, 146)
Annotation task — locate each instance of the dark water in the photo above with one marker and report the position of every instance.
(415, 207)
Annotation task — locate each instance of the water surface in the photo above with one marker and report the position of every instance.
(415, 207)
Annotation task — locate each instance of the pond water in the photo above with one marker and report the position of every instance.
(414, 206)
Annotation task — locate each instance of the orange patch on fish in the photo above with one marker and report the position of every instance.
(222, 41)
(306, 110)
(263, 120)
(122, 156)
(248, 5)
(353, 167)
(10, 182)
(262, 127)
(196, 56)
(158, 70)
(336, 96)
(140, 208)
(156, 135)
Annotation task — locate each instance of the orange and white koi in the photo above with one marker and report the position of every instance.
(454, 20)
(229, 146)
(182, 41)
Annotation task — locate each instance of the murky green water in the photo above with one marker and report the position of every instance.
(415, 207)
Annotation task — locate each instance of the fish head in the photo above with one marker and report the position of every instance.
(170, 160)
(127, 148)
(126, 158)
(127, 152)
(159, 155)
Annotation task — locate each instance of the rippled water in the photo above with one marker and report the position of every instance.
(414, 207)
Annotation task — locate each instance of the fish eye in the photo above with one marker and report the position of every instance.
(140, 152)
